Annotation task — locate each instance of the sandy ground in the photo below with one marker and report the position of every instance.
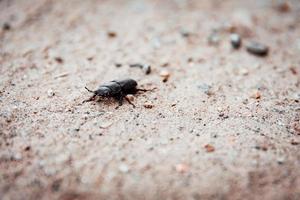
(225, 125)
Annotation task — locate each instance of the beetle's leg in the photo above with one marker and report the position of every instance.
(129, 101)
(92, 98)
(120, 100)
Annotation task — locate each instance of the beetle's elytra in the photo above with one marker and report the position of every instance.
(117, 89)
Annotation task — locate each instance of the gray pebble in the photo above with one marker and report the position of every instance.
(50, 93)
(296, 96)
(118, 65)
(123, 168)
(235, 40)
(147, 69)
(207, 89)
(213, 39)
(257, 49)
(136, 65)
(184, 33)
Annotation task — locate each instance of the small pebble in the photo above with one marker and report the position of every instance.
(111, 34)
(165, 64)
(190, 60)
(207, 89)
(105, 125)
(294, 70)
(280, 160)
(118, 65)
(284, 7)
(184, 33)
(50, 93)
(59, 60)
(148, 105)
(296, 96)
(244, 71)
(27, 148)
(213, 38)
(295, 142)
(258, 49)
(209, 148)
(123, 168)
(165, 75)
(6, 27)
(136, 65)
(147, 69)
(256, 94)
(263, 147)
(235, 40)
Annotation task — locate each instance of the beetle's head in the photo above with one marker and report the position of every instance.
(103, 92)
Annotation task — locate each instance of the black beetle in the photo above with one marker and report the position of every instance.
(117, 89)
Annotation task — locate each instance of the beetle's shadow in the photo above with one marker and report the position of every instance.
(109, 102)
(113, 102)
(106, 101)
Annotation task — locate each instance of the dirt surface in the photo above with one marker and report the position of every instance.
(225, 125)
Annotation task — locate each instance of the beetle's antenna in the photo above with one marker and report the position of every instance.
(145, 90)
(89, 90)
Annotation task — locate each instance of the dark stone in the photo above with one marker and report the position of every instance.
(257, 49)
